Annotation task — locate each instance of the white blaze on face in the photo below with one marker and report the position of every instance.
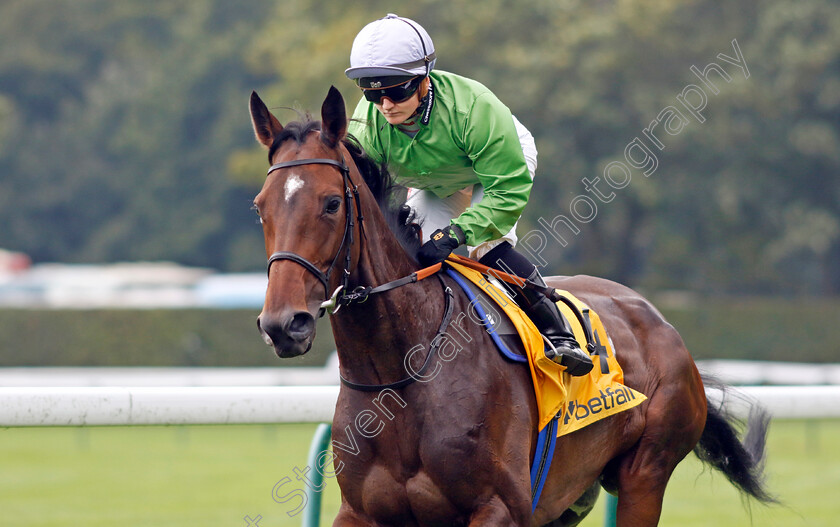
(293, 184)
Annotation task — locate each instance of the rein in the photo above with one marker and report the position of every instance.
(436, 342)
(332, 303)
(361, 293)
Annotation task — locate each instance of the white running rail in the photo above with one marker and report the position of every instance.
(93, 406)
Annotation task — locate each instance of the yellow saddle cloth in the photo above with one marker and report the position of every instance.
(577, 401)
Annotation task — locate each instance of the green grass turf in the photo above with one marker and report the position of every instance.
(218, 475)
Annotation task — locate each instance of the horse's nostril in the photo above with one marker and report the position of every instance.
(301, 326)
(290, 335)
(266, 338)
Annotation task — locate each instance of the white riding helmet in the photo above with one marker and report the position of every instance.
(391, 46)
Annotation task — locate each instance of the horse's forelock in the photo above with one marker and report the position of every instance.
(297, 131)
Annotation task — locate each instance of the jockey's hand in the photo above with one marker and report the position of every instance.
(440, 245)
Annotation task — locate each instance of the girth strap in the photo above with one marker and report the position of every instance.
(546, 440)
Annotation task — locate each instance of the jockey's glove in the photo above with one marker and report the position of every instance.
(440, 245)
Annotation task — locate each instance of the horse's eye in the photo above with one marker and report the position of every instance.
(257, 211)
(332, 205)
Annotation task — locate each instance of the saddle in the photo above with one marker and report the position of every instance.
(574, 402)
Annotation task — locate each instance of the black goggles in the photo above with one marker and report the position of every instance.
(398, 89)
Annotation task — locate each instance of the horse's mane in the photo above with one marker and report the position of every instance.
(388, 194)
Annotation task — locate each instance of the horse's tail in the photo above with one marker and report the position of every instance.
(720, 447)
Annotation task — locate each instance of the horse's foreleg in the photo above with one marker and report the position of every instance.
(495, 513)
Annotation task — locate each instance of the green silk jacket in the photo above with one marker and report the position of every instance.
(466, 137)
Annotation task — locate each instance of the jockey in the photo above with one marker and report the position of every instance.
(469, 164)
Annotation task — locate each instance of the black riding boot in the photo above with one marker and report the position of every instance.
(550, 322)
(542, 311)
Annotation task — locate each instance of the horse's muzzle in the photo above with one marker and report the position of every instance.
(290, 335)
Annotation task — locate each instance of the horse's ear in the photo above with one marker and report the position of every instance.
(333, 118)
(266, 126)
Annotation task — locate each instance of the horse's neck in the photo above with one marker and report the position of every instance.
(374, 337)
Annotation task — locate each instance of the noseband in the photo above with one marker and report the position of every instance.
(351, 193)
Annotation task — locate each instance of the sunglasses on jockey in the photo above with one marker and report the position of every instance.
(396, 88)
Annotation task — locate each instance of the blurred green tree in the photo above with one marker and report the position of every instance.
(126, 113)
(125, 134)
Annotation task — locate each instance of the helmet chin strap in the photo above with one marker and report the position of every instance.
(423, 92)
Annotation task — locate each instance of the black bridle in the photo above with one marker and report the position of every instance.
(334, 302)
(351, 194)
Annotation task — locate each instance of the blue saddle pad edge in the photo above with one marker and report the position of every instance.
(503, 349)
(547, 437)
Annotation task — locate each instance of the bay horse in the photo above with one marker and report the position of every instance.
(455, 447)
